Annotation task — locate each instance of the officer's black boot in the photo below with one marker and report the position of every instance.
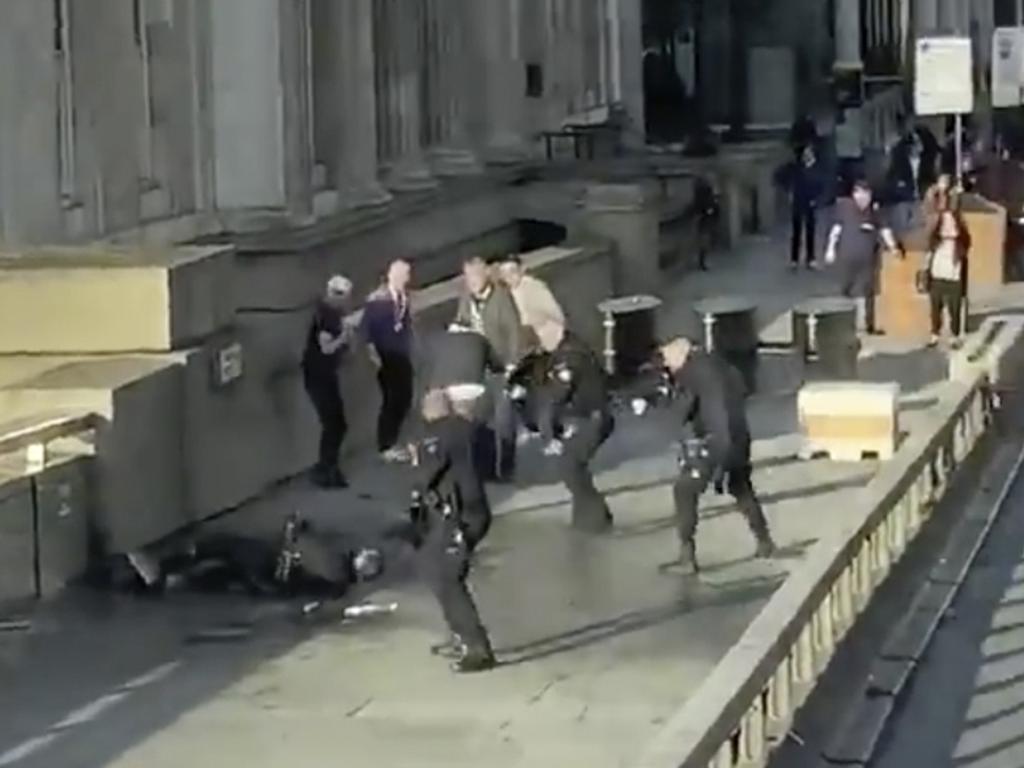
(688, 565)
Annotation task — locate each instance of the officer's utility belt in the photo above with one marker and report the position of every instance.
(695, 458)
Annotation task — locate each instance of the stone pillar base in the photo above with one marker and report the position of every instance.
(365, 196)
(507, 149)
(409, 176)
(448, 161)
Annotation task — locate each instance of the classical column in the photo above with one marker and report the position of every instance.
(260, 107)
(953, 16)
(398, 40)
(848, 23)
(356, 170)
(926, 16)
(448, 67)
(496, 31)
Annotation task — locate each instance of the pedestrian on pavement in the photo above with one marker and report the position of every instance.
(854, 243)
(577, 422)
(940, 196)
(329, 334)
(706, 209)
(487, 307)
(912, 170)
(708, 395)
(949, 245)
(451, 516)
(803, 179)
(387, 325)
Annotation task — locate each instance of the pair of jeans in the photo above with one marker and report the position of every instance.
(804, 226)
(395, 378)
(946, 295)
(324, 392)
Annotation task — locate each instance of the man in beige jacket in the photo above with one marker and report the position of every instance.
(539, 310)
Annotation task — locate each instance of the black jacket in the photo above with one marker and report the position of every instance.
(711, 403)
(576, 385)
(446, 467)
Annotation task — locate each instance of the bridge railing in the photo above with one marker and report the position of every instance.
(746, 706)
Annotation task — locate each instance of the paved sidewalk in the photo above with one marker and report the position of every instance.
(600, 646)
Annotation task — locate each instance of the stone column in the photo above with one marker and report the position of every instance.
(504, 79)
(260, 106)
(628, 59)
(30, 168)
(448, 67)
(848, 34)
(953, 16)
(627, 214)
(356, 171)
(398, 40)
(926, 16)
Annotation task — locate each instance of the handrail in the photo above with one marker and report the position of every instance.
(747, 704)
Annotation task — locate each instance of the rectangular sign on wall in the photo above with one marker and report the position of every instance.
(1007, 66)
(944, 76)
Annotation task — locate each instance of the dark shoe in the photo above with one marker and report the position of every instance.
(475, 661)
(330, 479)
(594, 526)
(766, 548)
(688, 559)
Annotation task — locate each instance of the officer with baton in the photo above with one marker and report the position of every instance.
(450, 515)
(708, 395)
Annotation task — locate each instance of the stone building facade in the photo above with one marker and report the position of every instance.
(119, 113)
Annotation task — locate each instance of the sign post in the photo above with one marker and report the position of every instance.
(945, 84)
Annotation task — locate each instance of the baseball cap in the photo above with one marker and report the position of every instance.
(339, 285)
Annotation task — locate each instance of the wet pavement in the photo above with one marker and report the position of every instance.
(599, 644)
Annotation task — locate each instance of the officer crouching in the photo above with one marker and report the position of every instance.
(576, 420)
(715, 450)
(450, 516)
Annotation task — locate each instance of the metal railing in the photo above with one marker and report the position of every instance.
(747, 705)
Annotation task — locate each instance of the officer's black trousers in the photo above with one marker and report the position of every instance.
(445, 559)
(476, 522)
(687, 492)
(589, 510)
(330, 410)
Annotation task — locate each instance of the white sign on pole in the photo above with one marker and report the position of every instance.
(1007, 67)
(945, 82)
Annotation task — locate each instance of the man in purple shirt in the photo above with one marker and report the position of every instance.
(387, 324)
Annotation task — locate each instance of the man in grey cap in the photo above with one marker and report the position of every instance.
(329, 334)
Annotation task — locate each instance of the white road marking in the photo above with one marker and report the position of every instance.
(26, 748)
(85, 714)
(153, 676)
(91, 711)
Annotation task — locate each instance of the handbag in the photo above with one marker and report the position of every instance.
(923, 280)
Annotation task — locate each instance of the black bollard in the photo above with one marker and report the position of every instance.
(825, 337)
(730, 330)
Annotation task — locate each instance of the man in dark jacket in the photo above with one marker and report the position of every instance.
(387, 324)
(487, 307)
(329, 334)
(806, 186)
(709, 398)
(577, 422)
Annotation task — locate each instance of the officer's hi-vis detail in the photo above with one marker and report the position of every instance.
(563, 373)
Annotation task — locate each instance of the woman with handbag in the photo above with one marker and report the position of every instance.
(946, 276)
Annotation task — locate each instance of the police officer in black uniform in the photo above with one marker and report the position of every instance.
(576, 421)
(709, 395)
(450, 517)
